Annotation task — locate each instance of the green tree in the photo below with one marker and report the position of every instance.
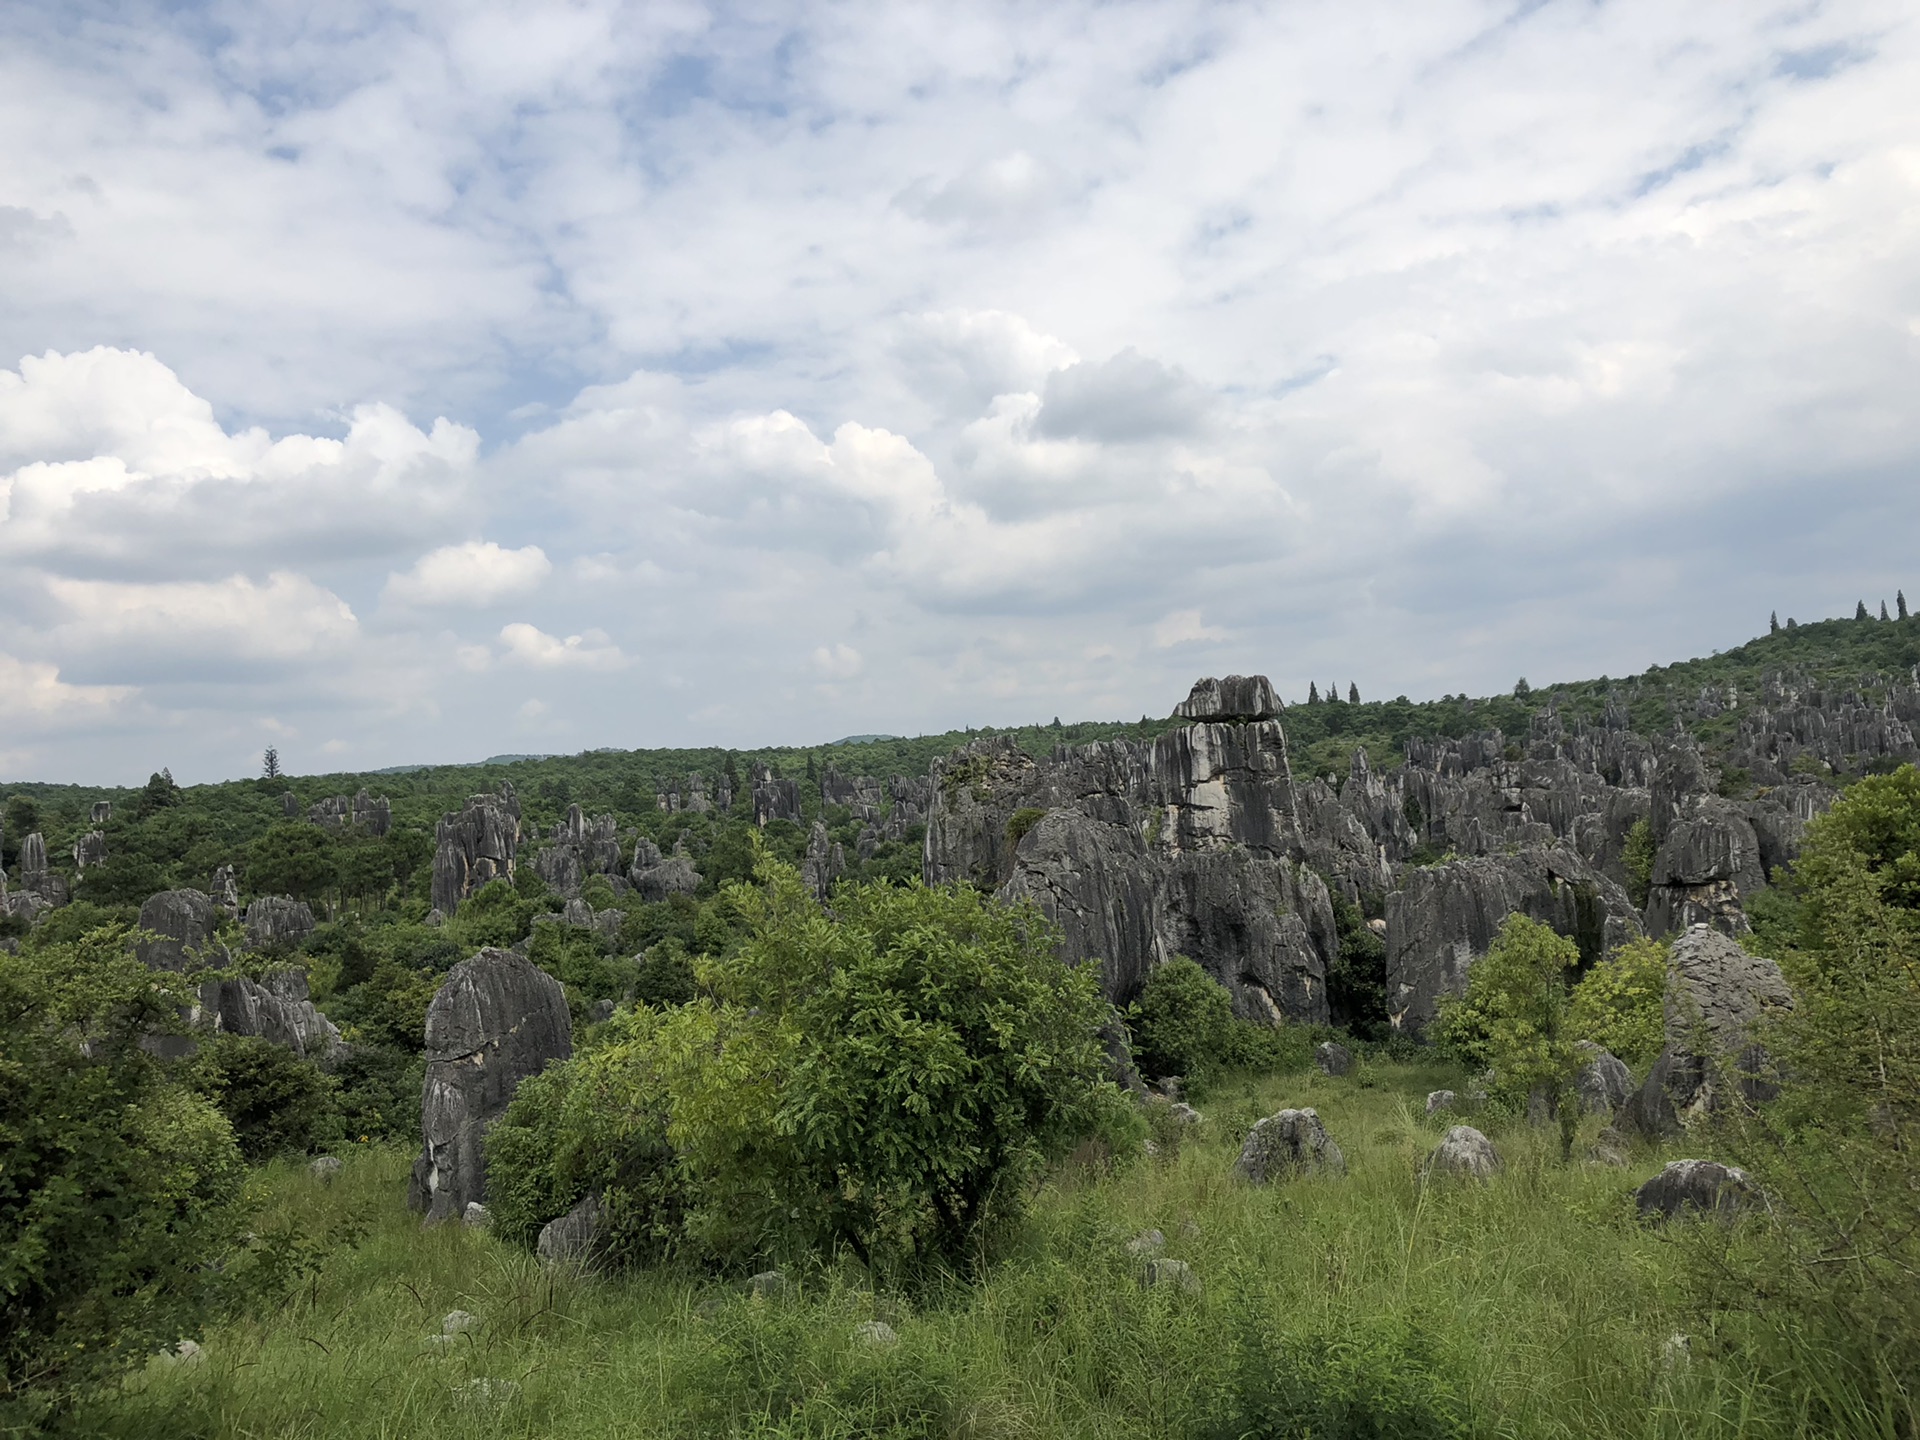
(1182, 1023)
(1620, 1003)
(1513, 1019)
(293, 859)
(118, 1188)
(276, 1102)
(1636, 857)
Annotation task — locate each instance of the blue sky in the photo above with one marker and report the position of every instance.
(414, 383)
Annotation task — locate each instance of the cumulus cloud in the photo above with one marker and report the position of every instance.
(530, 645)
(838, 662)
(1184, 627)
(1129, 397)
(157, 632)
(477, 573)
(33, 692)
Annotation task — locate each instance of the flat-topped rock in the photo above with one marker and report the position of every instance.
(1236, 698)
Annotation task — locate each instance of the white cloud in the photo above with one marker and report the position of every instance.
(838, 662)
(194, 627)
(1184, 627)
(477, 573)
(532, 646)
(32, 692)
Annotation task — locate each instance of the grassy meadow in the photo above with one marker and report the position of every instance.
(1533, 1305)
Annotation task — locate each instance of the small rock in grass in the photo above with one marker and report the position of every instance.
(476, 1216)
(1185, 1113)
(1464, 1151)
(1176, 1273)
(573, 1239)
(1147, 1242)
(1333, 1058)
(1292, 1141)
(485, 1392)
(184, 1353)
(1609, 1148)
(1705, 1186)
(1189, 1230)
(1675, 1352)
(1438, 1100)
(876, 1333)
(457, 1321)
(325, 1167)
(768, 1284)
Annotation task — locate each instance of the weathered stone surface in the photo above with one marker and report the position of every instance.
(874, 1333)
(1262, 927)
(768, 1285)
(1446, 917)
(1094, 881)
(824, 863)
(362, 813)
(278, 922)
(89, 849)
(102, 812)
(224, 892)
(1705, 1187)
(325, 1167)
(1147, 1243)
(1604, 1082)
(1463, 1151)
(1292, 1142)
(1715, 985)
(475, 845)
(1238, 697)
(1333, 1058)
(496, 1019)
(1438, 1100)
(774, 798)
(656, 878)
(37, 876)
(276, 1007)
(575, 1238)
(577, 849)
(1170, 1274)
(182, 922)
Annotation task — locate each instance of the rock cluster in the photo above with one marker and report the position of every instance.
(278, 922)
(579, 848)
(475, 845)
(1704, 1187)
(182, 922)
(824, 863)
(362, 813)
(774, 798)
(496, 1019)
(276, 1007)
(655, 876)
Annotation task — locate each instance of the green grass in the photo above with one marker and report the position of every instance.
(1544, 1306)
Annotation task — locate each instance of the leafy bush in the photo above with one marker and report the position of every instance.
(1183, 1024)
(1636, 857)
(1513, 1019)
(276, 1102)
(1834, 1256)
(1357, 983)
(1620, 1003)
(665, 975)
(890, 1080)
(496, 914)
(117, 1187)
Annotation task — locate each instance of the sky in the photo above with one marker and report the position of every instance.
(396, 384)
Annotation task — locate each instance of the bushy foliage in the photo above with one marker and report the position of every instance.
(1636, 857)
(1837, 1250)
(1620, 1003)
(117, 1187)
(276, 1102)
(496, 914)
(1183, 1024)
(1513, 1018)
(1357, 981)
(889, 1080)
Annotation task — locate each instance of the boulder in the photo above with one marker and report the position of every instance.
(663, 878)
(1333, 1058)
(496, 1019)
(1703, 1186)
(1172, 1275)
(1463, 1151)
(224, 892)
(824, 863)
(1289, 1143)
(89, 849)
(576, 1238)
(1147, 1243)
(1438, 1100)
(325, 1168)
(102, 812)
(1238, 697)
(1604, 1082)
(874, 1333)
(182, 922)
(278, 922)
(276, 1007)
(475, 845)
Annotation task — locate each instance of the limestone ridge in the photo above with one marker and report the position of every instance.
(1186, 845)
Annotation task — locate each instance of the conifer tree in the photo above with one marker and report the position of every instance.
(1773, 623)
(1883, 609)
(1900, 603)
(1313, 693)
(1353, 693)
(1860, 610)
(270, 764)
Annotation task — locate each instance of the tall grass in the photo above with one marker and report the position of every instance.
(1534, 1305)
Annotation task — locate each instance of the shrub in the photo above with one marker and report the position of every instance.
(1636, 857)
(1183, 1021)
(665, 975)
(1021, 821)
(890, 1080)
(117, 1187)
(1513, 1019)
(276, 1102)
(1357, 983)
(496, 914)
(1620, 1003)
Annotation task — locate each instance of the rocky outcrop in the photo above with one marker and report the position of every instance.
(656, 877)
(37, 876)
(576, 1238)
(496, 1019)
(824, 862)
(1332, 1059)
(1603, 1083)
(361, 814)
(182, 922)
(1292, 1142)
(276, 1007)
(224, 891)
(475, 845)
(577, 849)
(1238, 697)
(278, 922)
(89, 849)
(1095, 881)
(1717, 995)
(101, 813)
(774, 798)
(1465, 1153)
(1446, 917)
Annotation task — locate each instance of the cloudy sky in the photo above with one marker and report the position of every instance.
(418, 383)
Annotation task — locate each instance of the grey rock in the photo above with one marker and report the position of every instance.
(182, 922)
(1604, 1083)
(1147, 1243)
(1333, 1058)
(326, 1167)
(475, 845)
(1291, 1142)
(485, 1392)
(1705, 1187)
(1463, 1152)
(224, 892)
(768, 1285)
(774, 798)
(289, 805)
(276, 1007)
(278, 922)
(576, 1238)
(600, 1011)
(476, 1216)
(102, 812)
(1446, 917)
(664, 878)
(577, 849)
(496, 1019)
(89, 849)
(824, 863)
(1438, 1100)
(875, 1333)
(459, 1322)
(1713, 983)
(1170, 1274)
(1094, 881)
(36, 876)
(1238, 697)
